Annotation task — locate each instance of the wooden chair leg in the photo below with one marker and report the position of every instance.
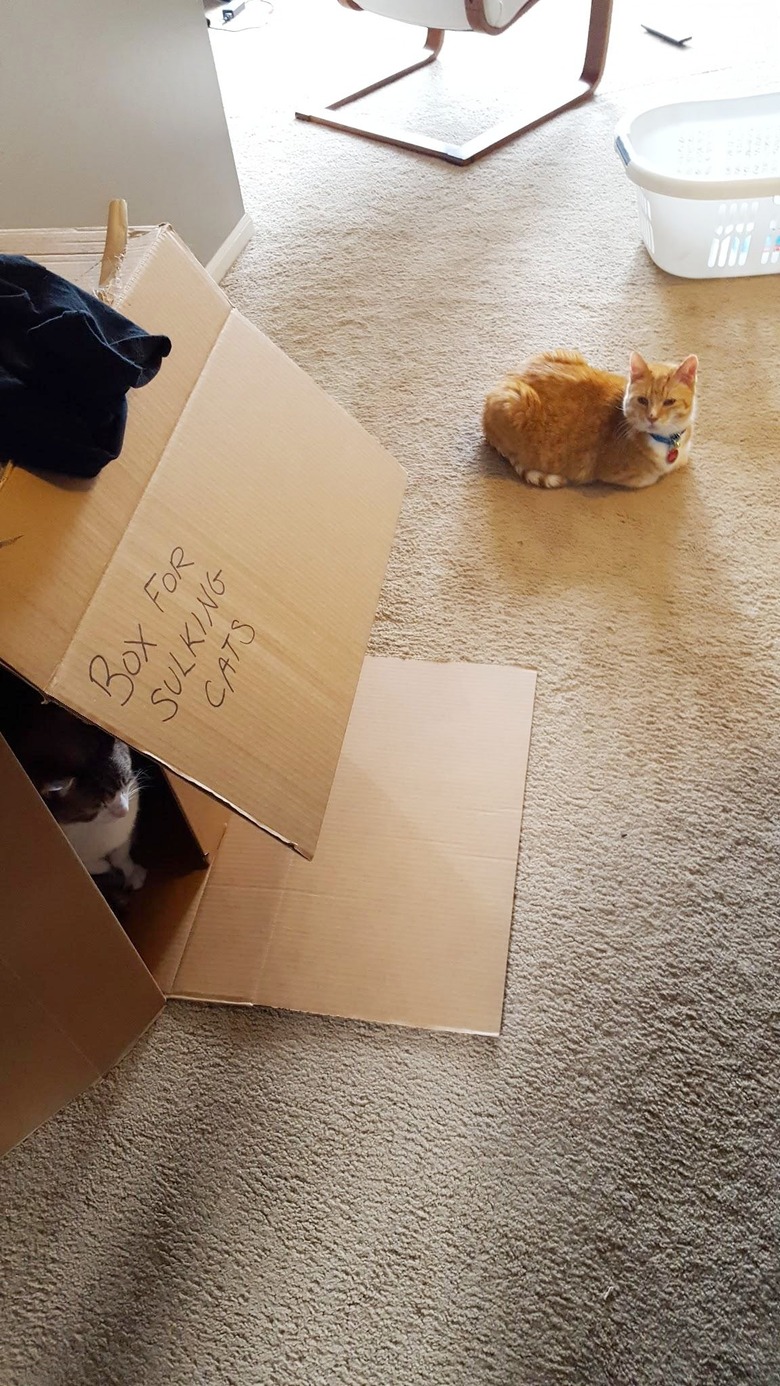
(320, 115)
(548, 99)
(431, 49)
(597, 43)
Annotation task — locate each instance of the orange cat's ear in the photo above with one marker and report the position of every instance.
(686, 372)
(637, 366)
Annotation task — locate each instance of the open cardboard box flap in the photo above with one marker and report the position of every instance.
(209, 598)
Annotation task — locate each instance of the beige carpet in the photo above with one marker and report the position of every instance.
(259, 1199)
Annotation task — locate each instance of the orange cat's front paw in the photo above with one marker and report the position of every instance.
(546, 479)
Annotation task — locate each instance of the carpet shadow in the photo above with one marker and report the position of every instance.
(643, 568)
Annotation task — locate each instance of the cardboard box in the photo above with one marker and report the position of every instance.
(209, 599)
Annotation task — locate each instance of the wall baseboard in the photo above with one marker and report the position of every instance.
(231, 248)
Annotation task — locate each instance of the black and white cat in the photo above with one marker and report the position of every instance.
(86, 778)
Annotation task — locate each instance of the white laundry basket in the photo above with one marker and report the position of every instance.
(707, 177)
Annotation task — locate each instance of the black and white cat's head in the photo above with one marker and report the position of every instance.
(83, 773)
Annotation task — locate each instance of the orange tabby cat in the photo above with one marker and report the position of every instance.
(559, 420)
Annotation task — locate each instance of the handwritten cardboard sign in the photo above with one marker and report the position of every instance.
(200, 663)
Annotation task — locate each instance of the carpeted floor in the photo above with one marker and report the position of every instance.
(260, 1199)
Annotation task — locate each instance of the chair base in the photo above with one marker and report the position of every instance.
(550, 99)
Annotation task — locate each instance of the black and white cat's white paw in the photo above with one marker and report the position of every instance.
(136, 876)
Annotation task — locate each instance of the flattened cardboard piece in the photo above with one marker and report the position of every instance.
(404, 915)
(210, 597)
(75, 993)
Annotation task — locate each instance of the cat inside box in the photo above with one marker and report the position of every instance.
(115, 806)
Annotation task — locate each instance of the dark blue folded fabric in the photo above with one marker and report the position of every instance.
(67, 362)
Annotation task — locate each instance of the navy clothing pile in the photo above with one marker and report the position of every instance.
(66, 363)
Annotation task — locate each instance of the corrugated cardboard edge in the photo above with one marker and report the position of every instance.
(123, 286)
(38, 241)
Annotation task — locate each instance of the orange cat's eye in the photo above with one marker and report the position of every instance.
(643, 399)
(669, 402)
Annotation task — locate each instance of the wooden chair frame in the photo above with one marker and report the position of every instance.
(557, 95)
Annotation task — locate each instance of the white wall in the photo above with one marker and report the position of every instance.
(114, 98)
